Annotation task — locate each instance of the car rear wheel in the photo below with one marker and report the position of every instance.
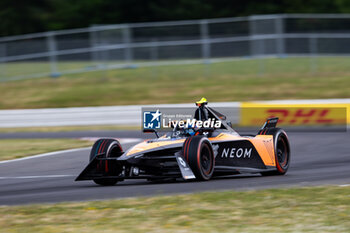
(108, 148)
(282, 152)
(198, 152)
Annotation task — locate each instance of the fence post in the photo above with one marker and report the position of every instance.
(257, 46)
(3, 58)
(154, 50)
(154, 56)
(279, 26)
(94, 45)
(313, 54)
(51, 44)
(127, 38)
(204, 30)
(261, 60)
(252, 32)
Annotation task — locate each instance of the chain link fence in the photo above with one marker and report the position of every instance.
(102, 47)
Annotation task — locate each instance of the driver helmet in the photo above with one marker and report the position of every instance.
(202, 102)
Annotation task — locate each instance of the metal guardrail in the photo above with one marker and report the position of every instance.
(108, 115)
(150, 44)
(131, 115)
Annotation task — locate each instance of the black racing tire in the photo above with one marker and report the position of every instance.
(198, 152)
(282, 152)
(110, 148)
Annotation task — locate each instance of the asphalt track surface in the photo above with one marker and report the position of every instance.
(318, 158)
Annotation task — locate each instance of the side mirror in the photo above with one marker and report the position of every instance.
(151, 131)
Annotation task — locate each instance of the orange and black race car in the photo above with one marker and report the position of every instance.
(192, 153)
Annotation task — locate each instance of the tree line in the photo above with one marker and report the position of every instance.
(23, 16)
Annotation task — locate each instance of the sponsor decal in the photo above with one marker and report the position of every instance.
(185, 170)
(234, 152)
(182, 162)
(305, 116)
(290, 115)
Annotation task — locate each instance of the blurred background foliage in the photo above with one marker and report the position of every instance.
(23, 16)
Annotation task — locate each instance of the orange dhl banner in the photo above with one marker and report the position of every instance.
(253, 114)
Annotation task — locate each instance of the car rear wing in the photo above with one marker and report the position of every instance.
(269, 124)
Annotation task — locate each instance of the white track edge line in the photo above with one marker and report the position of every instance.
(44, 155)
(34, 177)
(59, 152)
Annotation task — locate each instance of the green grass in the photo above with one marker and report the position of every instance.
(317, 209)
(18, 148)
(69, 128)
(288, 78)
(14, 69)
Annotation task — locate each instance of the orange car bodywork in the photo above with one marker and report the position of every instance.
(264, 145)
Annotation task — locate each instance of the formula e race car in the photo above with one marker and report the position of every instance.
(191, 153)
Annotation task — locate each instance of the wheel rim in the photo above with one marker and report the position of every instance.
(206, 159)
(282, 153)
